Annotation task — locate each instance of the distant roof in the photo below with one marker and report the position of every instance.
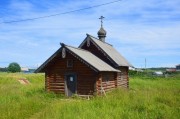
(87, 57)
(109, 50)
(158, 72)
(24, 69)
(171, 70)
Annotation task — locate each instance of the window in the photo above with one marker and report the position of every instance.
(122, 76)
(106, 79)
(69, 63)
(71, 79)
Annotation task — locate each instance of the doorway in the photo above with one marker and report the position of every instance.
(71, 83)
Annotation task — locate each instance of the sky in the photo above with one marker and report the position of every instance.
(138, 29)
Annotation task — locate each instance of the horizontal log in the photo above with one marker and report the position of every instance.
(56, 89)
(86, 79)
(122, 81)
(60, 89)
(104, 88)
(55, 83)
(79, 85)
(125, 81)
(85, 89)
(54, 77)
(56, 80)
(87, 85)
(108, 84)
(109, 87)
(55, 86)
(109, 81)
(122, 84)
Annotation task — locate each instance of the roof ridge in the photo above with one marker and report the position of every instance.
(92, 36)
(99, 40)
(77, 48)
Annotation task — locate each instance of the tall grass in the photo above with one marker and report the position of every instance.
(147, 98)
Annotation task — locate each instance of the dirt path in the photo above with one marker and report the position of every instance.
(23, 81)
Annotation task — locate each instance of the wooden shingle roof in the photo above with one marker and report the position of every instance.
(84, 56)
(109, 50)
(91, 59)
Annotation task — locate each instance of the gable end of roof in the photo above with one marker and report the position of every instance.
(111, 53)
(82, 55)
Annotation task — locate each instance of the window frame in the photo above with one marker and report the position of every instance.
(70, 63)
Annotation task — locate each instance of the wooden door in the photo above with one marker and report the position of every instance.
(71, 84)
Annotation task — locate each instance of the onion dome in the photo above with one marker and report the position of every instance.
(102, 34)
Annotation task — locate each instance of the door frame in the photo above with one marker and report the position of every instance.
(65, 82)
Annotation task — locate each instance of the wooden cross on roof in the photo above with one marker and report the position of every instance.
(101, 20)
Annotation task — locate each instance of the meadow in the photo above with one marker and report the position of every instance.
(147, 98)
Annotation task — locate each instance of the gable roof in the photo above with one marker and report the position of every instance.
(108, 49)
(84, 56)
(91, 59)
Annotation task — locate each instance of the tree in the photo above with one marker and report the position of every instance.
(14, 67)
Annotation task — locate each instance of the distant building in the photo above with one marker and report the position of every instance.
(139, 70)
(24, 69)
(158, 73)
(132, 68)
(3, 69)
(178, 67)
(171, 70)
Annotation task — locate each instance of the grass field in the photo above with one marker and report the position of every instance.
(147, 98)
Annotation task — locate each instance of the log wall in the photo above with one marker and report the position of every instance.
(123, 79)
(57, 70)
(106, 81)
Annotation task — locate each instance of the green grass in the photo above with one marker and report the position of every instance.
(147, 98)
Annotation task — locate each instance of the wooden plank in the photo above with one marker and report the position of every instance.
(56, 83)
(56, 89)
